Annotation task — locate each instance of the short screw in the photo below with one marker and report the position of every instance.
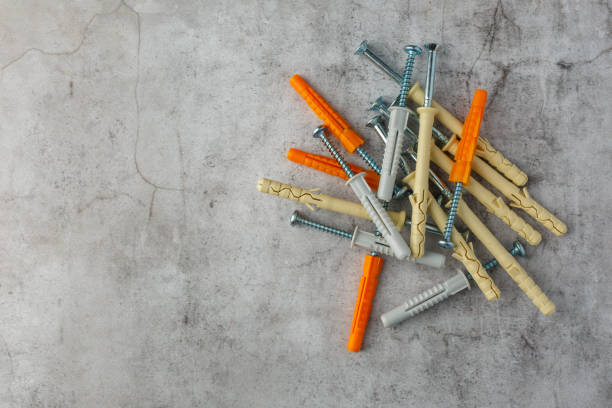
(446, 243)
(364, 50)
(432, 50)
(412, 51)
(296, 219)
(517, 250)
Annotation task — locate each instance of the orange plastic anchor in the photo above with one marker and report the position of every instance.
(372, 265)
(330, 166)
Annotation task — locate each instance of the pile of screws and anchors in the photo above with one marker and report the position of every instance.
(413, 140)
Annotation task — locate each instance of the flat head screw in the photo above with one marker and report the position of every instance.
(364, 50)
(412, 51)
(432, 50)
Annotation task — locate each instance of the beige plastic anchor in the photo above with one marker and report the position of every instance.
(483, 147)
(421, 182)
(462, 251)
(495, 205)
(505, 259)
(311, 198)
(518, 198)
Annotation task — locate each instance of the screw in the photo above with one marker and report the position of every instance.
(368, 159)
(412, 51)
(446, 243)
(364, 50)
(517, 250)
(320, 133)
(296, 219)
(366, 240)
(381, 107)
(432, 50)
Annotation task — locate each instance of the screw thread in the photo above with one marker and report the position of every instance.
(368, 159)
(452, 212)
(335, 154)
(405, 84)
(323, 227)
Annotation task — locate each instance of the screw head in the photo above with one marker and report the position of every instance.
(294, 217)
(445, 244)
(319, 131)
(518, 248)
(362, 47)
(376, 120)
(431, 47)
(413, 49)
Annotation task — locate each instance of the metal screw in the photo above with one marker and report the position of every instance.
(412, 51)
(432, 50)
(364, 50)
(446, 243)
(296, 219)
(320, 133)
(517, 250)
(366, 240)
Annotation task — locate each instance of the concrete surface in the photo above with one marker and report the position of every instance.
(140, 267)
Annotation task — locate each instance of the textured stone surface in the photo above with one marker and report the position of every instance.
(140, 267)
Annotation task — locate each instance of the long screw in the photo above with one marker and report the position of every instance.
(380, 106)
(368, 199)
(397, 124)
(364, 50)
(446, 243)
(438, 293)
(366, 240)
(412, 51)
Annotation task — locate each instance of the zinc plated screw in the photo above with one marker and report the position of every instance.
(446, 243)
(366, 240)
(364, 50)
(517, 250)
(437, 293)
(380, 106)
(368, 199)
(432, 50)
(412, 51)
(376, 123)
(296, 219)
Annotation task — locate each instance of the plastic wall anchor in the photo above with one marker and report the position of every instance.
(518, 198)
(493, 203)
(313, 199)
(418, 199)
(398, 121)
(379, 216)
(483, 147)
(462, 251)
(426, 300)
(338, 126)
(329, 165)
(372, 265)
(378, 244)
(506, 260)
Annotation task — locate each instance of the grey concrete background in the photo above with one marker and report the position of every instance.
(140, 267)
